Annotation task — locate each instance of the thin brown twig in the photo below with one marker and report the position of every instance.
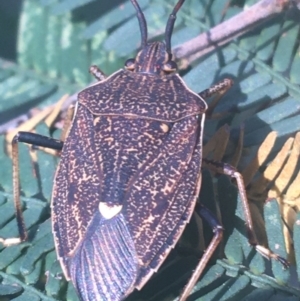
(232, 28)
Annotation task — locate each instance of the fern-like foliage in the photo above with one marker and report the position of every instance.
(59, 40)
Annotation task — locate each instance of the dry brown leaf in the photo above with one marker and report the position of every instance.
(259, 185)
(293, 191)
(239, 149)
(289, 215)
(56, 110)
(49, 114)
(217, 143)
(262, 154)
(30, 124)
(288, 170)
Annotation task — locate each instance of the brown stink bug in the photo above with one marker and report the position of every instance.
(130, 174)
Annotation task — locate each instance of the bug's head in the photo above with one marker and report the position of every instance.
(156, 57)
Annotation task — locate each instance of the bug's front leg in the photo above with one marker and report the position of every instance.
(97, 73)
(217, 90)
(217, 228)
(224, 168)
(33, 139)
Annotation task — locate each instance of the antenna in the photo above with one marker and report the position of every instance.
(142, 22)
(170, 26)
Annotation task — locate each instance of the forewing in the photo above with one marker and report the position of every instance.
(81, 237)
(163, 195)
(104, 267)
(76, 183)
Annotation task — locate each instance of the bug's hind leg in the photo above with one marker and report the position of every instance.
(33, 139)
(217, 90)
(218, 235)
(224, 168)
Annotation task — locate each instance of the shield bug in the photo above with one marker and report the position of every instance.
(130, 174)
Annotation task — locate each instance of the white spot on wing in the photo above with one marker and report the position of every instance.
(109, 211)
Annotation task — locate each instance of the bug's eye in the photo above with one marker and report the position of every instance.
(170, 66)
(130, 64)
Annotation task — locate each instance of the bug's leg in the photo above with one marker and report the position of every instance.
(204, 213)
(223, 168)
(33, 139)
(97, 73)
(217, 90)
